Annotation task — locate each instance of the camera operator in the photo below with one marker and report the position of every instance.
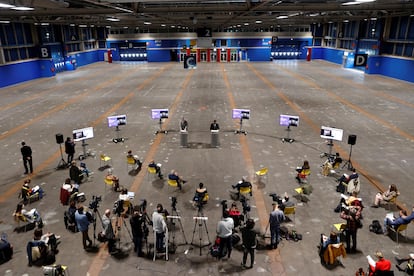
(83, 219)
(139, 230)
(108, 231)
(282, 202)
(159, 227)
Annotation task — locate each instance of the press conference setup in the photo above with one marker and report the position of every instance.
(168, 123)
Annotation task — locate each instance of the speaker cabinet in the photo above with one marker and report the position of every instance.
(352, 139)
(59, 138)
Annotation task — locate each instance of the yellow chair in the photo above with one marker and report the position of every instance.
(245, 191)
(131, 164)
(340, 227)
(400, 228)
(105, 159)
(151, 171)
(108, 181)
(172, 183)
(261, 173)
(391, 202)
(290, 210)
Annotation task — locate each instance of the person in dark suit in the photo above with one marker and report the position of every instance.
(214, 125)
(27, 158)
(69, 149)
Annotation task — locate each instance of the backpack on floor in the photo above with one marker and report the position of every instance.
(375, 227)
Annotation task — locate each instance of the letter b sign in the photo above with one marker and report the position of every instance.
(45, 52)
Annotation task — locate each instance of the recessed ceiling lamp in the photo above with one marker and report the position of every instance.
(351, 3)
(147, 23)
(22, 9)
(282, 17)
(113, 19)
(4, 21)
(258, 21)
(6, 6)
(365, 1)
(246, 24)
(83, 25)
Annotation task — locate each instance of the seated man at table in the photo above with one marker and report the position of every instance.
(395, 222)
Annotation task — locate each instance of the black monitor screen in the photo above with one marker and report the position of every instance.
(159, 113)
(117, 120)
(288, 120)
(241, 114)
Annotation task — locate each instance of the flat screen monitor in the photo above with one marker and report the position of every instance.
(241, 114)
(159, 113)
(117, 120)
(331, 133)
(82, 134)
(288, 120)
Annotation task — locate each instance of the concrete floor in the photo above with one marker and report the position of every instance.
(376, 109)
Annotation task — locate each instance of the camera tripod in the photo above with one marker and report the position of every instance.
(200, 219)
(176, 216)
(160, 130)
(95, 212)
(62, 163)
(118, 226)
(240, 130)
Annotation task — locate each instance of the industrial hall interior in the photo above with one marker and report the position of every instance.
(237, 137)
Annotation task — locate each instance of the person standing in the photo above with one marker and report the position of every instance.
(137, 222)
(214, 125)
(27, 158)
(108, 231)
(275, 219)
(159, 227)
(69, 149)
(224, 231)
(183, 125)
(352, 217)
(83, 221)
(249, 242)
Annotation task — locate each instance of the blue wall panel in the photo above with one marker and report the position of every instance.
(333, 55)
(87, 58)
(397, 68)
(258, 54)
(13, 73)
(159, 55)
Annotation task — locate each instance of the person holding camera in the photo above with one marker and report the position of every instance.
(83, 219)
(108, 231)
(352, 215)
(139, 230)
(159, 226)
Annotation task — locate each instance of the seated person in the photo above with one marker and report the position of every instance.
(85, 169)
(331, 164)
(282, 202)
(352, 200)
(69, 217)
(386, 196)
(381, 264)
(243, 183)
(42, 249)
(174, 176)
(27, 192)
(303, 171)
(201, 195)
(395, 222)
(114, 179)
(345, 178)
(157, 167)
(75, 173)
(19, 213)
(332, 239)
(409, 269)
(337, 161)
(138, 163)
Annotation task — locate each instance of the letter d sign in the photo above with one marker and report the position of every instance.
(44, 52)
(360, 60)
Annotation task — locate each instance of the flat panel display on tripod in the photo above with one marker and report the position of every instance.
(117, 120)
(331, 133)
(241, 114)
(159, 113)
(82, 134)
(288, 120)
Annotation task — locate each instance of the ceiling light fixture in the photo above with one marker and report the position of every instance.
(4, 21)
(6, 6)
(258, 21)
(350, 3)
(113, 19)
(282, 17)
(22, 9)
(147, 23)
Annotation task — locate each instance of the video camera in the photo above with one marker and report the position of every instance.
(173, 202)
(118, 207)
(94, 204)
(246, 206)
